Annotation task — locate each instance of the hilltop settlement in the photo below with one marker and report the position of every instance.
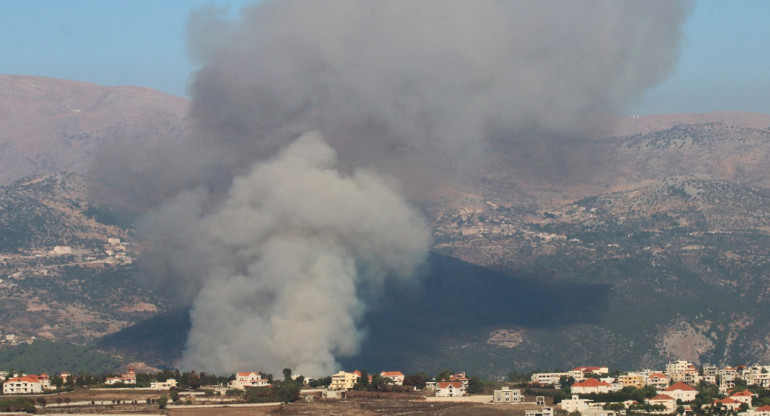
(681, 388)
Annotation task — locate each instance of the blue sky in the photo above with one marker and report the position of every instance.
(724, 65)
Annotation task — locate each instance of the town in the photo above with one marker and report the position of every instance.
(681, 388)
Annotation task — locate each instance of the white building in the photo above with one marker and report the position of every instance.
(575, 404)
(547, 378)
(507, 395)
(681, 391)
(247, 379)
(163, 385)
(396, 376)
(450, 389)
(23, 385)
(125, 378)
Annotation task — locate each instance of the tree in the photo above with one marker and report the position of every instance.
(444, 375)
(288, 392)
(162, 400)
(418, 380)
(286, 374)
(475, 386)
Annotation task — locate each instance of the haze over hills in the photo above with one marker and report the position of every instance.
(651, 244)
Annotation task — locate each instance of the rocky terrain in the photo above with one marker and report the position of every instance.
(65, 271)
(647, 244)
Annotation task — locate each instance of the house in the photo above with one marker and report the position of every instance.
(757, 374)
(637, 380)
(658, 380)
(726, 403)
(461, 378)
(681, 391)
(547, 378)
(23, 385)
(396, 376)
(545, 411)
(760, 411)
(579, 373)
(450, 389)
(665, 400)
(125, 378)
(45, 381)
(246, 379)
(592, 385)
(64, 376)
(507, 395)
(164, 385)
(743, 397)
(344, 381)
(575, 404)
(727, 379)
(682, 371)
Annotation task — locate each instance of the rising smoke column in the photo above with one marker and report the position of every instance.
(275, 239)
(284, 256)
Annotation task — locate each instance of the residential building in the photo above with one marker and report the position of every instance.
(681, 391)
(727, 379)
(544, 411)
(450, 389)
(164, 385)
(344, 380)
(683, 371)
(726, 403)
(579, 373)
(23, 385)
(507, 395)
(547, 378)
(760, 411)
(665, 400)
(396, 376)
(461, 377)
(575, 404)
(757, 375)
(633, 379)
(246, 379)
(125, 378)
(592, 385)
(658, 380)
(744, 396)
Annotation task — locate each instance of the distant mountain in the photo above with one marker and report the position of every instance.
(647, 244)
(52, 125)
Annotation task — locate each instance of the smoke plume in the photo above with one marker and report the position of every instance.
(278, 264)
(278, 239)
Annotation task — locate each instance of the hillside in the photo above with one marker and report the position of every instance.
(647, 244)
(64, 275)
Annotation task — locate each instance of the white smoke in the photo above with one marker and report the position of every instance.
(280, 262)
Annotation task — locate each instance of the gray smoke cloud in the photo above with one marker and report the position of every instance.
(276, 238)
(279, 263)
(425, 81)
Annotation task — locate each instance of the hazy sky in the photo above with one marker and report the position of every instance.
(724, 64)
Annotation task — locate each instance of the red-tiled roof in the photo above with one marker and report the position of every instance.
(658, 375)
(744, 393)
(679, 386)
(765, 408)
(590, 382)
(726, 400)
(662, 397)
(446, 384)
(392, 374)
(27, 379)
